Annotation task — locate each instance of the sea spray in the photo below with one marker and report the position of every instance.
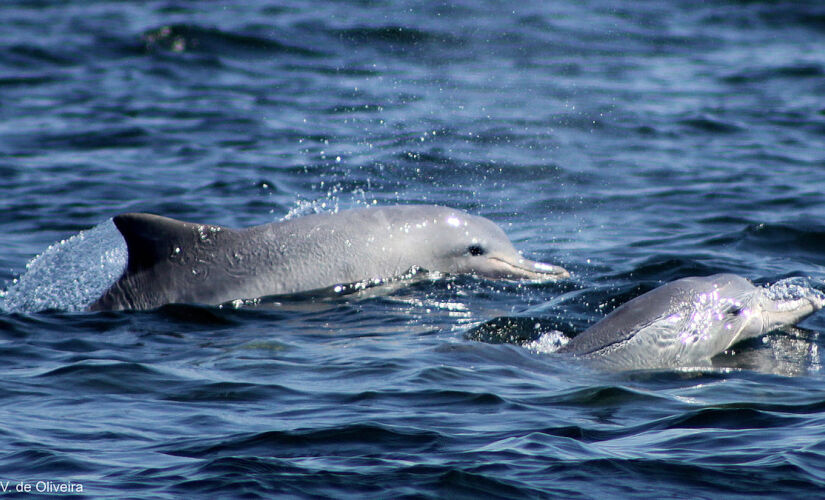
(70, 274)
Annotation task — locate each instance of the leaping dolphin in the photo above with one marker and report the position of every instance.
(686, 322)
(170, 261)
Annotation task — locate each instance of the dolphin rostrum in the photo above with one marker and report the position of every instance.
(170, 261)
(686, 322)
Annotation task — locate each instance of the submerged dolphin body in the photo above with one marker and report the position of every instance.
(686, 322)
(170, 261)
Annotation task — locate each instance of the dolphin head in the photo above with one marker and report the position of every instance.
(455, 242)
(726, 309)
(782, 304)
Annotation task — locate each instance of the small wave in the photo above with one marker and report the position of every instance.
(37, 460)
(805, 15)
(97, 368)
(224, 392)
(34, 57)
(350, 439)
(401, 35)
(598, 396)
(333, 477)
(759, 75)
(194, 315)
(803, 238)
(192, 38)
(731, 418)
(94, 139)
(27, 80)
(712, 125)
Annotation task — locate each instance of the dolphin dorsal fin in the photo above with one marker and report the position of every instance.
(152, 239)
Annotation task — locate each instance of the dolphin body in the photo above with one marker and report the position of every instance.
(686, 322)
(170, 261)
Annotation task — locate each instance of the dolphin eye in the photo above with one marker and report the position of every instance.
(734, 311)
(475, 250)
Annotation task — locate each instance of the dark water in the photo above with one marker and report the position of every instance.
(632, 142)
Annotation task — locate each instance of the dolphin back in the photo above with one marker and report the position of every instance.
(632, 316)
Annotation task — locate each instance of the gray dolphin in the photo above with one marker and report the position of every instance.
(686, 322)
(170, 261)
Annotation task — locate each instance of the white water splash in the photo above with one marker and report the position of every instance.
(70, 274)
(547, 342)
(790, 290)
(336, 199)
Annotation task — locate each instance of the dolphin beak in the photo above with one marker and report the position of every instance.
(525, 270)
(786, 304)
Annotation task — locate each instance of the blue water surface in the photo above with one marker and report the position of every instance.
(631, 142)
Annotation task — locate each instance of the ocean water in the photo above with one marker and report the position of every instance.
(632, 142)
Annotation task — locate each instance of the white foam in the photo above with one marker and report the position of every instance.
(547, 342)
(792, 290)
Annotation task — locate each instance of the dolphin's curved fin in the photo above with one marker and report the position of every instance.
(151, 239)
(166, 260)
